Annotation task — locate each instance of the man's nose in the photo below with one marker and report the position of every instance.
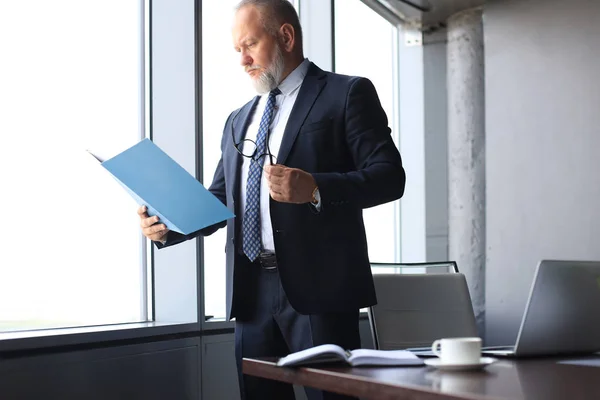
(245, 59)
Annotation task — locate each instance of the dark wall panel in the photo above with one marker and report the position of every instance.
(165, 370)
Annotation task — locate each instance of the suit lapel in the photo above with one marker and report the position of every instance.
(240, 126)
(314, 81)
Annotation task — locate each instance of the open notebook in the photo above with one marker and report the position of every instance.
(331, 353)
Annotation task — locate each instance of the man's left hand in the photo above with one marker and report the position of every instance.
(289, 185)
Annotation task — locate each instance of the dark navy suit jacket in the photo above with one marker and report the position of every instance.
(338, 132)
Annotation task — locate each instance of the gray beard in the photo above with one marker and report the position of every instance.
(271, 78)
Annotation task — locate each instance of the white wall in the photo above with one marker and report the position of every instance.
(424, 147)
(436, 146)
(412, 105)
(543, 143)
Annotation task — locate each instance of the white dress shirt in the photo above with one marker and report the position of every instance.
(283, 108)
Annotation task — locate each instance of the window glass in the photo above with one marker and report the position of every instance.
(71, 79)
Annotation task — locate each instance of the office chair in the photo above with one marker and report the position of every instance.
(419, 303)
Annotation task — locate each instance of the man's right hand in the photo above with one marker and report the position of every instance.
(150, 226)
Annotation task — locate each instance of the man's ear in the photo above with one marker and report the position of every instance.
(287, 36)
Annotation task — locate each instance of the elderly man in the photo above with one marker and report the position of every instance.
(299, 163)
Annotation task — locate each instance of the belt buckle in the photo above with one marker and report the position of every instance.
(267, 260)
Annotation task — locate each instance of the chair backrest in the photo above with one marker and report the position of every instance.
(413, 310)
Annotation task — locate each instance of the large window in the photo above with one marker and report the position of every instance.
(71, 79)
(371, 52)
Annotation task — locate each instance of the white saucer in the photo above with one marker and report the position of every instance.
(437, 363)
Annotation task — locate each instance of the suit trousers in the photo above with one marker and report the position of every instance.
(276, 329)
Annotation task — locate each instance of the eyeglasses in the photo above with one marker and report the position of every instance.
(249, 149)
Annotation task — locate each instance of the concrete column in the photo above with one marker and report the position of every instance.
(466, 153)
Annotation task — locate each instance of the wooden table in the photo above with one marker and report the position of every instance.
(538, 379)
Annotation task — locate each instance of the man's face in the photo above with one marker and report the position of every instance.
(260, 53)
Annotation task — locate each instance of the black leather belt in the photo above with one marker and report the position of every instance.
(267, 260)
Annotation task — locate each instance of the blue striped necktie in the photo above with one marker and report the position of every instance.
(251, 223)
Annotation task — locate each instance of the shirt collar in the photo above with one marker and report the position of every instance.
(295, 78)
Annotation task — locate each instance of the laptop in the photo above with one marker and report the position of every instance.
(562, 315)
(413, 310)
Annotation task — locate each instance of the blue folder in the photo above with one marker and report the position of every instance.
(154, 179)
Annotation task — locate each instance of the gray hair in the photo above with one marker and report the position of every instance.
(275, 13)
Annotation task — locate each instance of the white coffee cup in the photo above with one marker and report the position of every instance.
(465, 350)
